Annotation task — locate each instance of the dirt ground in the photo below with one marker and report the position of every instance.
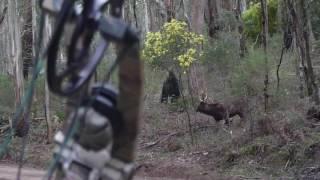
(9, 172)
(159, 156)
(165, 150)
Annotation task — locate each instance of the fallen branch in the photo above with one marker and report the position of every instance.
(315, 124)
(287, 164)
(39, 118)
(244, 177)
(151, 144)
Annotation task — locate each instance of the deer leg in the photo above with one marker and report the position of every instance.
(227, 118)
(242, 121)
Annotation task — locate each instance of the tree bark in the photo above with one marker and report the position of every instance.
(212, 16)
(27, 37)
(3, 14)
(301, 27)
(130, 14)
(196, 72)
(306, 36)
(14, 55)
(47, 113)
(227, 4)
(147, 16)
(264, 12)
(48, 33)
(297, 27)
(170, 8)
(242, 38)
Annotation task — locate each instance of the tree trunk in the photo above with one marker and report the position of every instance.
(212, 16)
(297, 27)
(155, 14)
(3, 14)
(264, 11)
(242, 38)
(185, 13)
(48, 33)
(130, 13)
(147, 15)
(301, 26)
(196, 72)
(27, 37)
(15, 59)
(227, 4)
(47, 114)
(306, 36)
(15, 48)
(170, 8)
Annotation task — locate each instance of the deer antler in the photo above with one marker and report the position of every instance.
(203, 97)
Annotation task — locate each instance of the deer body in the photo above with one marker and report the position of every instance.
(223, 112)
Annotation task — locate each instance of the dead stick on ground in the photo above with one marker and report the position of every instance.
(244, 177)
(315, 124)
(149, 145)
(287, 164)
(39, 118)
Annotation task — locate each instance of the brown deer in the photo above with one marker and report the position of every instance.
(222, 111)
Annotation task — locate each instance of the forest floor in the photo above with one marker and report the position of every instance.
(9, 172)
(165, 149)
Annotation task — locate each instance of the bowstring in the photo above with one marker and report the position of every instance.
(24, 105)
(35, 75)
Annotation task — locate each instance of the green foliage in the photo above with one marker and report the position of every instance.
(173, 46)
(247, 78)
(252, 19)
(227, 20)
(315, 17)
(7, 95)
(222, 52)
(61, 115)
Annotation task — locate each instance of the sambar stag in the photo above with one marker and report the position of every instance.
(221, 111)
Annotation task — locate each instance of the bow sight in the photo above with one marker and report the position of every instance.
(88, 19)
(86, 154)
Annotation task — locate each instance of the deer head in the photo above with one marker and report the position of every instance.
(203, 99)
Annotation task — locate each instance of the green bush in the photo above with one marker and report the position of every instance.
(7, 95)
(247, 78)
(252, 19)
(227, 21)
(173, 46)
(222, 52)
(315, 17)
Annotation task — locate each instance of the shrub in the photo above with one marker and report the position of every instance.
(6, 94)
(222, 52)
(247, 78)
(173, 46)
(315, 17)
(252, 19)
